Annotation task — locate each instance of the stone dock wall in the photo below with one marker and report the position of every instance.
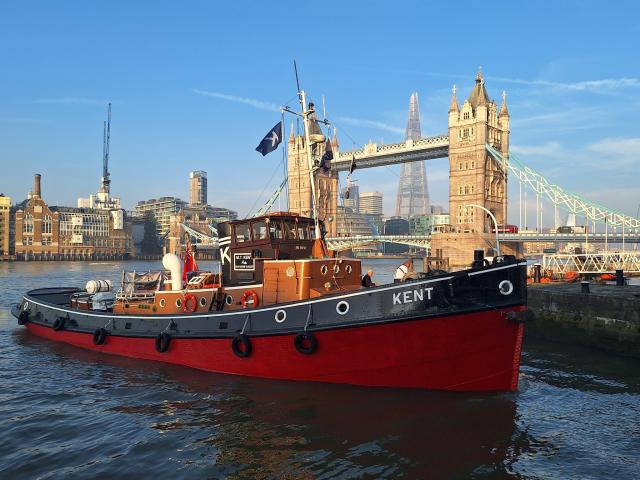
(607, 318)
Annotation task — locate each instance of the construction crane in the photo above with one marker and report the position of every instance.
(106, 136)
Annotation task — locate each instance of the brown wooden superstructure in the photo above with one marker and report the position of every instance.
(271, 259)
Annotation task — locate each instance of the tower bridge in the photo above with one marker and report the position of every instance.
(477, 146)
(480, 163)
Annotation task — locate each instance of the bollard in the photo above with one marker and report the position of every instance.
(619, 277)
(585, 287)
(536, 272)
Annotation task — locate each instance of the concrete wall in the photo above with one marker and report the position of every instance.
(608, 318)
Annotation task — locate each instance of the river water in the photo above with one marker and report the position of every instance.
(70, 413)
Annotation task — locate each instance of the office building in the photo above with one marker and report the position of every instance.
(197, 188)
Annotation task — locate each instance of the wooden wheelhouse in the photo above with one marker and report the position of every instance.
(246, 244)
(278, 257)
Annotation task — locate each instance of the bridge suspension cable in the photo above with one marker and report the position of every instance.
(203, 239)
(560, 197)
(274, 196)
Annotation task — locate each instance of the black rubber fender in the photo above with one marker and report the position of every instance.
(100, 336)
(241, 346)
(306, 343)
(163, 342)
(59, 323)
(23, 318)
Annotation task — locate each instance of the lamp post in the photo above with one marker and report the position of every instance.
(495, 222)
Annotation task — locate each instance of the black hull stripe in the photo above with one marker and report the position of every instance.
(281, 306)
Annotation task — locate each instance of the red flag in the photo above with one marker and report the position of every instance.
(190, 264)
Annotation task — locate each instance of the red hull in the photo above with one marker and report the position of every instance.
(470, 352)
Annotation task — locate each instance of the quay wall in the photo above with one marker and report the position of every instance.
(607, 318)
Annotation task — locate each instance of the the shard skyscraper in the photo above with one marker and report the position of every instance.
(413, 195)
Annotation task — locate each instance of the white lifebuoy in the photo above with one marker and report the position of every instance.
(342, 307)
(280, 316)
(505, 287)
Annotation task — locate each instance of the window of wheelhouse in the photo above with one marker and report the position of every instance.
(303, 230)
(275, 229)
(243, 234)
(259, 229)
(290, 229)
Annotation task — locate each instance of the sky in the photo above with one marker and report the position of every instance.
(196, 85)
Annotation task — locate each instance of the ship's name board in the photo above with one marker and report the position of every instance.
(411, 296)
(243, 261)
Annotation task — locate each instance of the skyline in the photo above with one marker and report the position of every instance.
(182, 103)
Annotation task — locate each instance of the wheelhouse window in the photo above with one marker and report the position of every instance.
(275, 229)
(259, 230)
(243, 233)
(290, 229)
(303, 231)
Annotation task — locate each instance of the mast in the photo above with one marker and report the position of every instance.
(305, 119)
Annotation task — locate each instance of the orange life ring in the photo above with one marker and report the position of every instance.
(250, 294)
(188, 299)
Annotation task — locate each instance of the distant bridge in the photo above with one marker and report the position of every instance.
(347, 243)
(424, 241)
(202, 241)
(593, 262)
(618, 237)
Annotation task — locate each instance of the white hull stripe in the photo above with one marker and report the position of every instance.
(497, 268)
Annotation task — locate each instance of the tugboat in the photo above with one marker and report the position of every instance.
(284, 307)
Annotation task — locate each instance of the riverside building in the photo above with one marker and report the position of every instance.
(5, 225)
(64, 233)
(162, 208)
(371, 210)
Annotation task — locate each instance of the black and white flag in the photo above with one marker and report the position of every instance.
(271, 140)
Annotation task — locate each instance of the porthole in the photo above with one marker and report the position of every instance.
(324, 269)
(228, 300)
(290, 271)
(348, 269)
(281, 316)
(342, 308)
(178, 302)
(162, 303)
(336, 268)
(505, 287)
(203, 302)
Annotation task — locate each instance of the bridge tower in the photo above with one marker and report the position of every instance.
(475, 177)
(326, 182)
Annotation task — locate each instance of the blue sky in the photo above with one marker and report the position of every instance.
(193, 85)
